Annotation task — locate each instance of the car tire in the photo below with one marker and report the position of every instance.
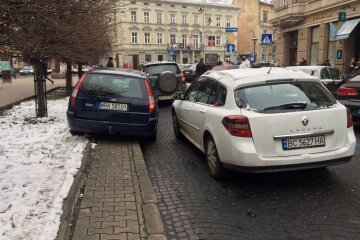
(212, 158)
(176, 127)
(74, 133)
(167, 82)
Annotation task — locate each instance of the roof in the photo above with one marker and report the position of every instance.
(158, 62)
(118, 71)
(308, 67)
(250, 76)
(266, 1)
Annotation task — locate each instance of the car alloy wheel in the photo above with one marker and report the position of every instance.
(212, 157)
(176, 126)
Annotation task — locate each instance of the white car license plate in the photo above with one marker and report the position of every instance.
(113, 106)
(164, 97)
(307, 142)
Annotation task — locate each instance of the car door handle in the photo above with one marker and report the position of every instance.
(187, 109)
(202, 110)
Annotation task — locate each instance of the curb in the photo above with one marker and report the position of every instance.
(153, 222)
(70, 201)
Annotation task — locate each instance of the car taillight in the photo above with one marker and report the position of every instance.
(237, 125)
(151, 97)
(349, 118)
(75, 92)
(182, 76)
(345, 91)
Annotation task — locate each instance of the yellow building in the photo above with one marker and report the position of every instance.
(253, 22)
(311, 29)
(183, 31)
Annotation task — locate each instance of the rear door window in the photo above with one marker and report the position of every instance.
(207, 91)
(158, 69)
(114, 86)
(284, 97)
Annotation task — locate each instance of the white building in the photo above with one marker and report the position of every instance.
(155, 30)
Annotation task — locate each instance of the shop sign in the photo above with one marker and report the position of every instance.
(339, 54)
(342, 17)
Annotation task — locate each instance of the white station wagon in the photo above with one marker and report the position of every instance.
(264, 120)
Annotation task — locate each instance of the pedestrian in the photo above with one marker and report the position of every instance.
(277, 63)
(352, 65)
(245, 63)
(356, 70)
(200, 67)
(303, 62)
(110, 62)
(326, 63)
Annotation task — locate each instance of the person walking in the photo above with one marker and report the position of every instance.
(353, 64)
(326, 63)
(303, 62)
(245, 63)
(110, 62)
(200, 68)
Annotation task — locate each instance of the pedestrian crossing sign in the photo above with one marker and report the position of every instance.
(266, 39)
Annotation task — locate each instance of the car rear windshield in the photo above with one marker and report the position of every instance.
(114, 85)
(158, 69)
(284, 97)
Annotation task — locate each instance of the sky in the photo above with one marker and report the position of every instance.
(39, 159)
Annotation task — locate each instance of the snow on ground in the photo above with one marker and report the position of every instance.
(38, 161)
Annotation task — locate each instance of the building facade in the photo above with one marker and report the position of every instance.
(253, 22)
(160, 30)
(311, 29)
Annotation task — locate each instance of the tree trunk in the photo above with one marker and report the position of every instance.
(68, 79)
(40, 90)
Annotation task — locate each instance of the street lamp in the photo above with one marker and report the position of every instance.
(254, 39)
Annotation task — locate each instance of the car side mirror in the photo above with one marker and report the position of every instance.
(178, 96)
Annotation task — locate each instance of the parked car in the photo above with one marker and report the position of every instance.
(26, 70)
(165, 78)
(12, 73)
(349, 95)
(113, 102)
(329, 76)
(259, 121)
(190, 72)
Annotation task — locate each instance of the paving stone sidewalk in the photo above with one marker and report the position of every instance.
(118, 201)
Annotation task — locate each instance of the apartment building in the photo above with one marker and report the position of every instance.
(311, 29)
(183, 31)
(253, 22)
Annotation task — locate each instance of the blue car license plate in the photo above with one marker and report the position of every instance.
(306, 142)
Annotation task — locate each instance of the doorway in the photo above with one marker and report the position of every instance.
(293, 42)
(135, 60)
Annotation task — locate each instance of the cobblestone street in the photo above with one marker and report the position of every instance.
(313, 204)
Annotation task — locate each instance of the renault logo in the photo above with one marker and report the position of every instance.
(305, 120)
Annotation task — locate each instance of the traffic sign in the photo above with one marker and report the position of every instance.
(230, 48)
(171, 50)
(266, 39)
(231, 29)
(231, 38)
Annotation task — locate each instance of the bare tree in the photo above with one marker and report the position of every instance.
(65, 30)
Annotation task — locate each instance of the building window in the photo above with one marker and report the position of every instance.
(158, 4)
(148, 58)
(146, 16)
(172, 38)
(133, 16)
(315, 37)
(134, 38)
(159, 18)
(184, 19)
(147, 38)
(196, 20)
(184, 40)
(159, 38)
(196, 41)
(265, 16)
(228, 21)
(218, 21)
(172, 18)
(217, 40)
(282, 3)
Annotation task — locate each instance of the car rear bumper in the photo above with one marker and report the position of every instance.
(111, 128)
(243, 155)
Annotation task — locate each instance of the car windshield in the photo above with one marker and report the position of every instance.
(158, 69)
(27, 68)
(284, 97)
(114, 85)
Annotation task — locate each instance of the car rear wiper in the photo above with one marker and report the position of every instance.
(292, 105)
(102, 92)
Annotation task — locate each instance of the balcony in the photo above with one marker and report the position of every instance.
(289, 15)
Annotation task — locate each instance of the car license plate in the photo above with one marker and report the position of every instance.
(164, 97)
(113, 106)
(307, 142)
